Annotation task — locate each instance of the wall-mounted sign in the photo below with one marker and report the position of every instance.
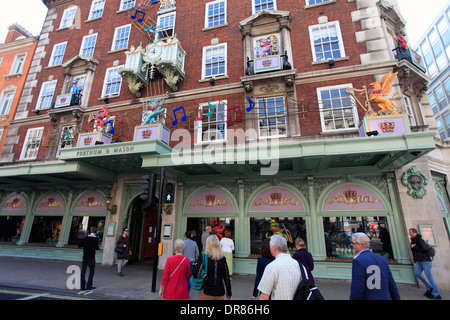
(211, 200)
(51, 202)
(267, 53)
(392, 124)
(352, 196)
(416, 181)
(15, 203)
(276, 199)
(90, 202)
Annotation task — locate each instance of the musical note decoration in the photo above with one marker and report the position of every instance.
(230, 117)
(210, 106)
(251, 103)
(135, 14)
(183, 119)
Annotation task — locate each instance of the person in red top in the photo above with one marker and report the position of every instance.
(176, 274)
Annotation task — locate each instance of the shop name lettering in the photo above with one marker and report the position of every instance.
(354, 200)
(50, 204)
(208, 203)
(277, 202)
(14, 204)
(98, 152)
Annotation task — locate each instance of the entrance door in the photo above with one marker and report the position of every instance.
(148, 233)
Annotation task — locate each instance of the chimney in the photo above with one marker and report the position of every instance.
(16, 32)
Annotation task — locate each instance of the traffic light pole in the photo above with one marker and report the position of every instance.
(158, 229)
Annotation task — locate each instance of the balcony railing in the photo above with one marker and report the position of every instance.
(411, 56)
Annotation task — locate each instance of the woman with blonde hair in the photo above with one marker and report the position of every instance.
(217, 278)
(176, 274)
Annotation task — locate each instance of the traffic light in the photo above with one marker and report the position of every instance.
(149, 187)
(169, 192)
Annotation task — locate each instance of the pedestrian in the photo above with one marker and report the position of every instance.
(371, 276)
(176, 274)
(89, 244)
(197, 239)
(205, 235)
(190, 251)
(227, 245)
(265, 258)
(282, 276)
(422, 262)
(122, 257)
(217, 280)
(304, 257)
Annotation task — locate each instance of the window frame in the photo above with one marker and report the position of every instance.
(39, 134)
(159, 34)
(204, 109)
(51, 62)
(321, 109)
(93, 6)
(105, 82)
(268, 117)
(322, 2)
(204, 66)
(62, 24)
(126, 2)
(207, 16)
(274, 2)
(4, 111)
(18, 63)
(115, 40)
(84, 41)
(340, 40)
(40, 98)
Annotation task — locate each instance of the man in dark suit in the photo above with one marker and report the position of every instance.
(89, 244)
(371, 276)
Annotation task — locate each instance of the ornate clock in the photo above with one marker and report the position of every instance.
(153, 53)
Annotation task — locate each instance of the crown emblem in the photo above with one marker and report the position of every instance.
(387, 126)
(267, 63)
(87, 141)
(146, 134)
(210, 197)
(50, 200)
(350, 194)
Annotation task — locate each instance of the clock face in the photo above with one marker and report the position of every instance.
(153, 52)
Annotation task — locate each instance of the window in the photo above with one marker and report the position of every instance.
(429, 60)
(81, 226)
(409, 111)
(311, 2)
(31, 144)
(262, 228)
(17, 66)
(337, 109)
(339, 230)
(442, 102)
(46, 229)
(271, 117)
(57, 54)
(113, 81)
(68, 17)
(446, 117)
(214, 127)
(259, 5)
(6, 101)
(127, 4)
(437, 49)
(121, 37)
(219, 226)
(214, 61)
(11, 228)
(326, 41)
(96, 9)
(166, 25)
(46, 95)
(216, 13)
(88, 45)
(445, 35)
(433, 103)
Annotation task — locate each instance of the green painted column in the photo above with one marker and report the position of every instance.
(28, 221)
(242, 224)
(314, 226)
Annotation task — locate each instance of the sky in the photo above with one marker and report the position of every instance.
(418, 14)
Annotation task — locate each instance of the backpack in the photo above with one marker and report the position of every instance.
(430, 251)
(199, 270)
(306, 289)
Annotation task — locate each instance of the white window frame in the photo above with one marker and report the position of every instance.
(68, 17)
(6, 99)
(57, 54)
(161, 34)
(127, 4)
(106, 83)
(32, 143)
(17, 66)
(204, 56)
(117, 32)
(321, 109)
(207, 16)
(85, 41)
(44, 95)
(260, 105)
(97, 9)
(340, 41)
(318, 2)
(255, 4)
(217, 118)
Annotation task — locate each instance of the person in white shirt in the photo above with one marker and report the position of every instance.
(227, 245)
(282, 276)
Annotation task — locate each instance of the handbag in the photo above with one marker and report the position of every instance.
(199, 270)
(119, 249)
(306, 289)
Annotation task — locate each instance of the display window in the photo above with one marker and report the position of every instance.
(218, 225)
(81, 226)
(46, 229)
(290, 228)
(339, 230)
(11, 228)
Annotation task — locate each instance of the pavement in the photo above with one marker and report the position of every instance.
(136, 284)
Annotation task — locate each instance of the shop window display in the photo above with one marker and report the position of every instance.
(46, 229)
(219, 225)
(261, 228)
(80, 228)
(11, 228)
(338, 232)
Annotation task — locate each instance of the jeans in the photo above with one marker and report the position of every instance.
(91, 264)
(426, 266)
(120, 264)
